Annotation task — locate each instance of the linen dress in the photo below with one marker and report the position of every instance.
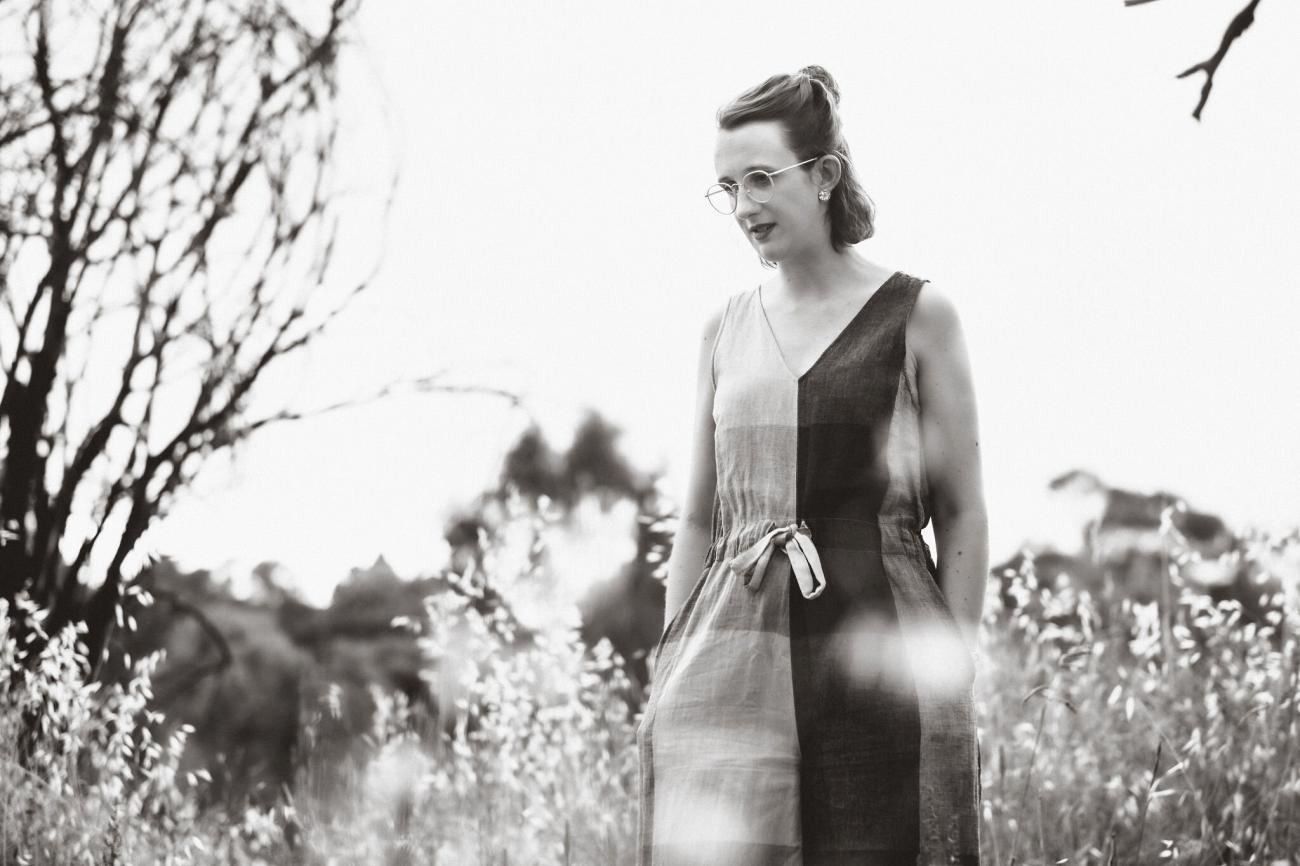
(810, 703)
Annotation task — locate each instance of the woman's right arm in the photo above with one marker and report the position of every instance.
(693, 537)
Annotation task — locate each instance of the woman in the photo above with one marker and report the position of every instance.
(811, 693)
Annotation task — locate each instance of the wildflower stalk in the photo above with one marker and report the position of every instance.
(1024, 794)
(1111, 847)
(1142, 815)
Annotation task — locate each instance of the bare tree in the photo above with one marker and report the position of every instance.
(1237, 26)
(168, 211)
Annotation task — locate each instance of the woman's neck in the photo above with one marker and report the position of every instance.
(824, 275)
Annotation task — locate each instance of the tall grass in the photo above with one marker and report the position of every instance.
(1112, 734)
(83, 777)
(533, 760)
(1109, 734)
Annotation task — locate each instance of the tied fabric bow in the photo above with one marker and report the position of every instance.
(797, 539)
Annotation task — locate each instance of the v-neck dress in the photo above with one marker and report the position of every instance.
(810, 703)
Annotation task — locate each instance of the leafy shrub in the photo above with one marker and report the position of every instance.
(86, 778)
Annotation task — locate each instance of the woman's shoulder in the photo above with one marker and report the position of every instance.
(934, 308)
(934, 323)
(719, 310)
(713, 320)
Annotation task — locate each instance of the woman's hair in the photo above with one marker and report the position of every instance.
(805, 104)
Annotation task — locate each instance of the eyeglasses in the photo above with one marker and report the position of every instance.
(758, 185)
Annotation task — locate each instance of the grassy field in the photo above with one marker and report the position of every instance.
(1109, 734)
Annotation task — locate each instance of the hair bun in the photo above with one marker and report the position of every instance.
(819, 73)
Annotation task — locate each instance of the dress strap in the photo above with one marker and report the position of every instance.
(751, 563)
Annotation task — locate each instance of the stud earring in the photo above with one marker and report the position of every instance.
(824, 194)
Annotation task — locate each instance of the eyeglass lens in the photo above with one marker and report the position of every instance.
(758, 186)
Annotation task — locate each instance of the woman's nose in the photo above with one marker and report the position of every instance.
(745, 206)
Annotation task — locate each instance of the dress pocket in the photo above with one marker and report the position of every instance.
(680, 615)
(951, 634)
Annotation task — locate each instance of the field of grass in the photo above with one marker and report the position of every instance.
(1109, 733)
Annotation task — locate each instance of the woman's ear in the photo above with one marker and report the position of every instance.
(829, 170)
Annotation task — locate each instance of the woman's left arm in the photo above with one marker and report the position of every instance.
(950, 446)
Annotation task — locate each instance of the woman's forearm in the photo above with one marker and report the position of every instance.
(685, 564)
(963, 561)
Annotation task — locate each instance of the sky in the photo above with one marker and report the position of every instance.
(1126, 277)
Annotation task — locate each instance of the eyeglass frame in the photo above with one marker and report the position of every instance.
(735, 188)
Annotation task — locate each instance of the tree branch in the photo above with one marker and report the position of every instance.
(1239, 24)
(131, 168)
(182, 682)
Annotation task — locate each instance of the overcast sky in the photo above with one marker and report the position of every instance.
(1127, 277)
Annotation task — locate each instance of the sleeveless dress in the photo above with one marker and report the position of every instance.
(810, 703)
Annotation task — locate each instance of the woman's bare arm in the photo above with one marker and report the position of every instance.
(950, 445)
(692, 540)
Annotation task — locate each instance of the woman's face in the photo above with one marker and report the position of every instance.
(794, 212)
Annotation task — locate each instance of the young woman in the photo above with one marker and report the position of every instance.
(811, 693)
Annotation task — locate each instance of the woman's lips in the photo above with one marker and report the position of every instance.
(760, 232)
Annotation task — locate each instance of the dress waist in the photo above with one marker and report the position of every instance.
(748, 547)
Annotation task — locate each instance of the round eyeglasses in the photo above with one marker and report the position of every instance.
(757, 184)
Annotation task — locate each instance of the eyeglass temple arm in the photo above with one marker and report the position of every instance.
(796, 165)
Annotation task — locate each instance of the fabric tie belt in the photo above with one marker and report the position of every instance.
(751, 562)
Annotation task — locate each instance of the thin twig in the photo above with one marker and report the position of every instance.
(1239, 24)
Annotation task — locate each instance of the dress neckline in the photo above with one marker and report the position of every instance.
(839, 336)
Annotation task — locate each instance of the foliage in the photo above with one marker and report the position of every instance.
(86, 778)
(1138, 744)
(1103, 740)
(530, 752)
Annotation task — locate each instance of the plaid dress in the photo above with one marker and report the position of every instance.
(811, 701)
